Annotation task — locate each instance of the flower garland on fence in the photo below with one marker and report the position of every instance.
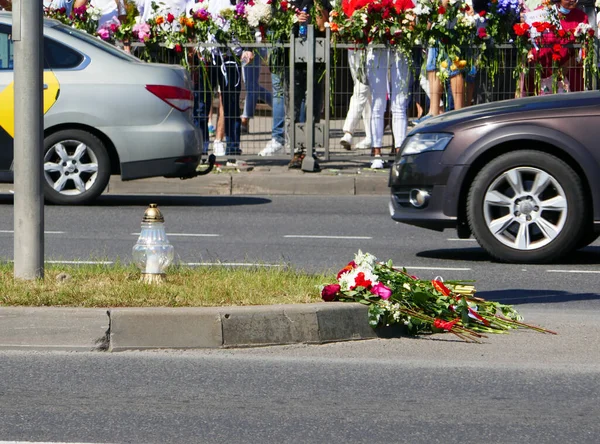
(465, 38)
(396, 297)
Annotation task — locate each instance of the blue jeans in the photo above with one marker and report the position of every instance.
(279, 94)
(254, 91)
(280, 82)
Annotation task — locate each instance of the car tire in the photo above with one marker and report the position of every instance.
(76, 167)
(527, 207)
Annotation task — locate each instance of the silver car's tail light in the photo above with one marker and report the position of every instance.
(179, 98)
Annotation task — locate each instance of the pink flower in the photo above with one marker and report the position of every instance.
(142, 30)
(104, 33)
(329, 292)
(381, 290)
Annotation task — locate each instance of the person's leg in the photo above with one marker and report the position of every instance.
(457, 83)
(435, 85)
(230, 84)
(251, 73)
(400, 79)
(278, 127)
(377, 72)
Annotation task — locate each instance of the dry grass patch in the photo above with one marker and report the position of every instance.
(118, 286)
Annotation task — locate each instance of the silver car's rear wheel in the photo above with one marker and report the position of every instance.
(527, 206)
(76, 167)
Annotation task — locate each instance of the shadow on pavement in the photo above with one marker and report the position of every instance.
(520, 296)
(164, 201)
(585, 256)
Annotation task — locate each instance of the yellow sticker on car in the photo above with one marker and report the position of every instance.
(7, 98)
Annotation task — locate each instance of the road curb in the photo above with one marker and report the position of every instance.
(235, 184)
(231, 327)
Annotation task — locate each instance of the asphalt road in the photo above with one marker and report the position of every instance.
(523, 387)
(308, 232)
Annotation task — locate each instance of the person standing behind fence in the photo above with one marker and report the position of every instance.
(360, 102)
(280, 62)
(388, 70)
(254, 90)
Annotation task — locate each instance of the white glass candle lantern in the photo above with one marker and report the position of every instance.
(153, 253)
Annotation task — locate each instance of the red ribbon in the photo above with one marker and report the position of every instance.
(444, 325)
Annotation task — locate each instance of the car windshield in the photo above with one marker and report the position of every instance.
(95, 41)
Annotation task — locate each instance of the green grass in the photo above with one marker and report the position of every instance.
(118, 286)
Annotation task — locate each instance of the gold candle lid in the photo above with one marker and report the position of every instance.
(153, 214)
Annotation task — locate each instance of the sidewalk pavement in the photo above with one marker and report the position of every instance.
(119, 329)
(252, 175)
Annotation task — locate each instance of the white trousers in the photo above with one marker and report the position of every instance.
(388, 75)
(360, 102)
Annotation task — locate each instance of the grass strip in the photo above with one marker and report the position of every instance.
(117, 285)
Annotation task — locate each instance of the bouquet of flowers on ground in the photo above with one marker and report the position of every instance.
(396, 297)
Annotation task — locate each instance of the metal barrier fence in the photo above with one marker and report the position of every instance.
(248, 92)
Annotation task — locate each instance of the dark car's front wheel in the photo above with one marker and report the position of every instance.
(76, 167)
(527, 206)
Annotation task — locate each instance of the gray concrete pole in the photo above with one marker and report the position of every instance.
(29, 139)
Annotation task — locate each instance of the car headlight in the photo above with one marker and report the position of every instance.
(422, 142)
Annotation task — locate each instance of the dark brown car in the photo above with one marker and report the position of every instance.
(522, 176)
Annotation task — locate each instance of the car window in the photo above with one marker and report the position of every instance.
(94, 41)
(59, 56)
(6, 49)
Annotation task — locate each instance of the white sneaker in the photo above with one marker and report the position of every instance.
(364, 144)
(377, 163)
(219, 148)
(346, 141)
(273, 147)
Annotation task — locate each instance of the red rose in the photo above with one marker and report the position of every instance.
(329, 292)
(481, 33)
(114, 27)
(481, 13)
(561, 33)
(591, 32)
(170, 18)
(441, 10)
(556, 57)
(178, 48)
(360, 281)
(557, 47)
(284, 5)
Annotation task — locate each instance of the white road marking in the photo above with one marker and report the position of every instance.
(455, 239)
(39, 442)
(45, 232)
(229, 264)
(186, 234)
(437, 268)
(574, 271)
(310, 236)
(81, 262)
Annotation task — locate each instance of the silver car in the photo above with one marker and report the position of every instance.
(106, 112)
